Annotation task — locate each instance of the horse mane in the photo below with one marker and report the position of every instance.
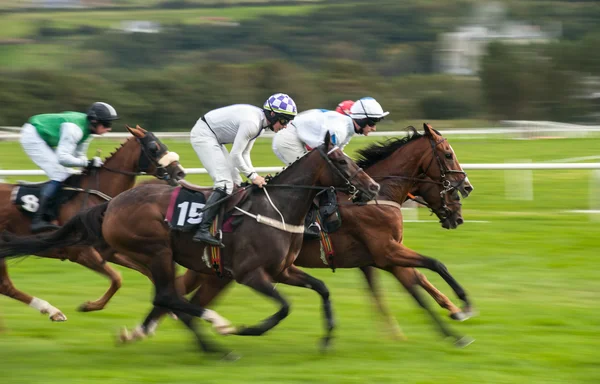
(378, 151)
(271, 179)
(75, 179)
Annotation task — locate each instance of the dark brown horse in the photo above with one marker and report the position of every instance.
(366, 232)
(141, 154)
(261, 251)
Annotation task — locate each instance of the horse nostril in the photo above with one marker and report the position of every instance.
(459, 221)
(180, 175)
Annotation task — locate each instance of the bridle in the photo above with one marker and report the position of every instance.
(350, 189)
(447, 185)
(146, 159)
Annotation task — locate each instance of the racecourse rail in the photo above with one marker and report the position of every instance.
(516, 129)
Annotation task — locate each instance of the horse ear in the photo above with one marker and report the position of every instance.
(429, 131)
(135, 131)
(140, 128)
(327, 140)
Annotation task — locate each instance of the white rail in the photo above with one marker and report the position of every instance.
(532, 131)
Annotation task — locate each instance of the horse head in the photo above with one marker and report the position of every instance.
(443, 165)
(155, 158)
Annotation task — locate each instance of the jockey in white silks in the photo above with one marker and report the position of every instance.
(240, 125)
(308, 129)
(60, 140)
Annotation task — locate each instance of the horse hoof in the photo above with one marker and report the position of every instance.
(58, 317)
(123, 337)
(326, 343)
(459, 316)
(88, 306)
(231, 356)
(469, 311)
(463, 341)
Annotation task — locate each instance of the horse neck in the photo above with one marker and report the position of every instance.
(125, 159)
(294, 203)
(403, 162)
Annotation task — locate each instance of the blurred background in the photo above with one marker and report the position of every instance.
(514, 85)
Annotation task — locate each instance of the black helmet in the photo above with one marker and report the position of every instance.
(102, 112)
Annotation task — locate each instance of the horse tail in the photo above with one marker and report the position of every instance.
(85, 228)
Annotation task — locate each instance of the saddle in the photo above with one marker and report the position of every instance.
(185, 208)
(26, 196)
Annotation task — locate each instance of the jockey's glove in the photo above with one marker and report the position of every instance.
(95, 162)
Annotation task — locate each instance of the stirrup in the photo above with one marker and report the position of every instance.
(206, 237)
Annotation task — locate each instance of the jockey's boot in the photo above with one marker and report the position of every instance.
(312, 231)
(203, 232)
(40, 222)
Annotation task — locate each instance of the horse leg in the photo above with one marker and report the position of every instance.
(211, 287)
(298, 278)
(260, 282)
(442, 300)
(399, 255)
(91, 259)
(392, 324)
(7, 288)
(459, 341)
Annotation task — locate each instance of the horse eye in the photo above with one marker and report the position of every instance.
(449, 156)
(154, 147)
(343, 162)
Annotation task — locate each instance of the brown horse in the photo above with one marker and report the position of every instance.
(141, 154)
(366, 232)
(133, 224)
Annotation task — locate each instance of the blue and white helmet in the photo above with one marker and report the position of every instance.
(281, 104)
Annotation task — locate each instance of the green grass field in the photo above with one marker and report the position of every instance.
(531, 269)
(23, 24)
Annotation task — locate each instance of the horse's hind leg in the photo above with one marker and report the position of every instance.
(259, 281)
(7, 288)
(298, 278)
(91, 259)
(397, 254)
(460, 341)
(393, 326)
(442, 300)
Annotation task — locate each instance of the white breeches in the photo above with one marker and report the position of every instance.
(287, 146)
(214, 157)
(42, 155)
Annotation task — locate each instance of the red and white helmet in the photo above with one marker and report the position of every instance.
(344, 107)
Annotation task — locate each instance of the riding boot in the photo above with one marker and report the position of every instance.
(203, 232)
(40, 222)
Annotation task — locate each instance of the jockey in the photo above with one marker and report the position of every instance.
(60, 140)
(308, 130)
(239, 124)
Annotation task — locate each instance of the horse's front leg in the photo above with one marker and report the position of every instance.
(259, 280)
(298, 278)
(7, 288)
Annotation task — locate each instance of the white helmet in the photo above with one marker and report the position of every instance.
(367, 107)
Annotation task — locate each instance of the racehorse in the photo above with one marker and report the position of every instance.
(367, 231)
(133, 224)
(141, 154)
